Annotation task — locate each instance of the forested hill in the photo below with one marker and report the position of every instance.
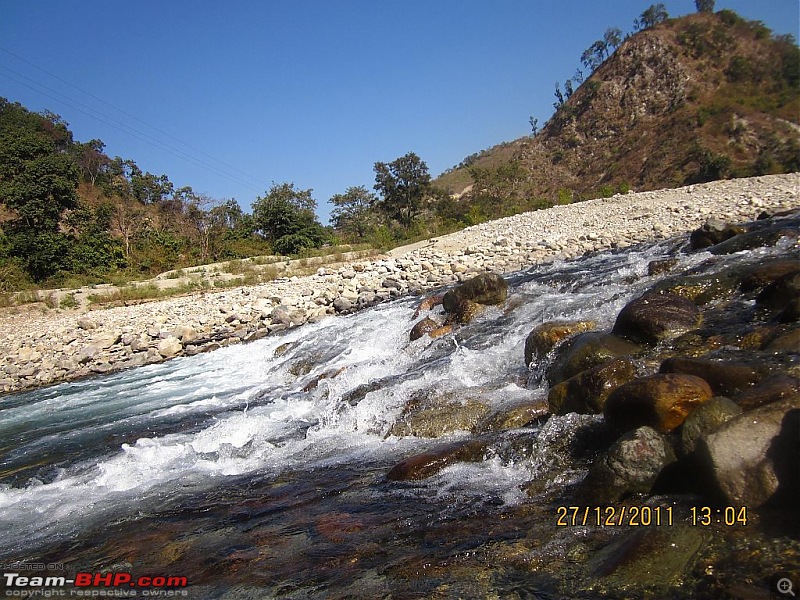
(702, 97)
(71, 214)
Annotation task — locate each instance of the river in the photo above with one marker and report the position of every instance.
(248, 474)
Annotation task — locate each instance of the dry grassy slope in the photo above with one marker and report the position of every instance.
(669, 98)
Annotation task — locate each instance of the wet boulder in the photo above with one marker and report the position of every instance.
(427, 464)
(463, 311)
(752, 459)
(776, 387)
(433, 415)
(726, 378)
(487, 289)
(784, 341)
(546, 336)
(584, 351)
(712, 233)
(706, 418)
(588, 391)
(630, 466)
(657, 267)
(757, 238)
(761, 275)
(778, 294)
(423, 327)
(514, 417)
(700, 289)
(655, 317)
(660, 401)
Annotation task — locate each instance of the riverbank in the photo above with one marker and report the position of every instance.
(59, 345)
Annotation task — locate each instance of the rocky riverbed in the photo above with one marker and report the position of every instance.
(42, 348)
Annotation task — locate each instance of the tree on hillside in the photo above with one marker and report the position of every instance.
(402, 183)
(653, 15)
(91, 160)
(285, 217)
(706, 6)
(353, 211)
(37, 184)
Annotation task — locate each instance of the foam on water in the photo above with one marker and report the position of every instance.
(114, 445)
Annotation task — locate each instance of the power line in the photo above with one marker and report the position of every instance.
(221, 169)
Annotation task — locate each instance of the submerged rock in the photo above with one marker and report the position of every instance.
(422, 466)
(655, 317)
(776, 387)
(437, 415)
(660, 401)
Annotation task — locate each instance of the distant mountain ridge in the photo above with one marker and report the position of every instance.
(702, 97)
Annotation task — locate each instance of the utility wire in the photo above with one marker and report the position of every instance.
(227, 171)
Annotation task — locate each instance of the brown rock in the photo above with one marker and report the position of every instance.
(659, 401)
(421, 466)
(584, 351)
(655, 317)
(657, 267)
(424, 327)
(588, 391)
(706, 418)
(544, 337)
(762, 275)
(776, 387)
(514, 417)
(487, 288)
(726, 378)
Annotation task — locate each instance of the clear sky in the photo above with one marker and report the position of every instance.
(229, 96)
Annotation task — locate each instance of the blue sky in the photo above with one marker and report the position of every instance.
(228, 97)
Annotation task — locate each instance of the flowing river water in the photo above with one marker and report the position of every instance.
(246, 473)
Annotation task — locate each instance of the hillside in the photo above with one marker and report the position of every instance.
(702, 97)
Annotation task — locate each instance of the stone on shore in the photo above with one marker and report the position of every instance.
(169, 347)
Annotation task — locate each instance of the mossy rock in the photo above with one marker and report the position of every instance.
(585, 351)
(588, 391)
(546, 336)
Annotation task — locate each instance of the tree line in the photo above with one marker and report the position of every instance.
(69, 209)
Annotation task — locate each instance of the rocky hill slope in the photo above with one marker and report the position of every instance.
(702, 97)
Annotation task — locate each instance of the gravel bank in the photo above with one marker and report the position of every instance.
(38, 349)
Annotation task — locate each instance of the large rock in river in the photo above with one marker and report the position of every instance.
(487, 288)
(753, 458)
(584, 351)
(726, 378)
(546, 336)
(588, 391)
(654, 317)
(660, 401)
(631, 466)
